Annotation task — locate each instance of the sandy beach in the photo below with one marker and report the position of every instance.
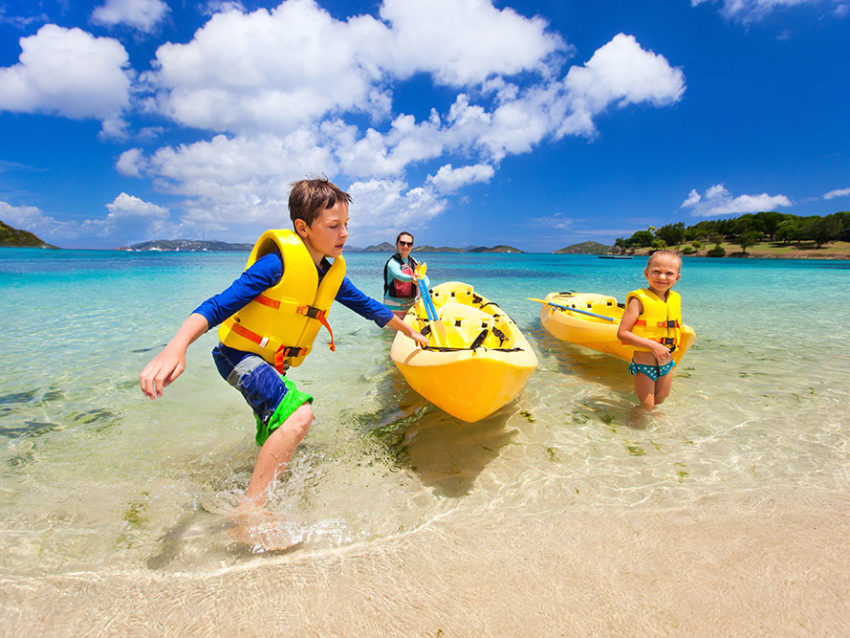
(745, 564)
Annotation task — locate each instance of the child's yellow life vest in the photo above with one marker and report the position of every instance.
(281, 323)
(660, 320)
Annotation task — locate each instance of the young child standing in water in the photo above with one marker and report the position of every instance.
(269, 318)
(652, 323)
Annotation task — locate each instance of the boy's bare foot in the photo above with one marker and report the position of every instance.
(270, 536)
(258, 527)
(248, 513)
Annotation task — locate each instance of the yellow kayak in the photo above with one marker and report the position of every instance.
(477, 359)
(576, 324)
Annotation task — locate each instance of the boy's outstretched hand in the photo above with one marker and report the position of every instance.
(417, 336)
(170, 363)
(397, 324)
(161, 371)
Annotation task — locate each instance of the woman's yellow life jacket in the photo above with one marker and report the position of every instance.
(281, 323)
(660, 320)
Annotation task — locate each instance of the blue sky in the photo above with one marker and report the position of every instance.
(469, 122)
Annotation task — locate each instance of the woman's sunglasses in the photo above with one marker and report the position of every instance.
(405, 243)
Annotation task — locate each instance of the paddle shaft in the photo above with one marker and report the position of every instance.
(567, 308)
(433, 320)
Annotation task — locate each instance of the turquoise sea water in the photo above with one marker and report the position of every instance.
(95, 477)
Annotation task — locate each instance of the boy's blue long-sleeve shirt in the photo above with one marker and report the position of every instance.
(267, 272)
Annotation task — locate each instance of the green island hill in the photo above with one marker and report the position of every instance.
(585, 248)
(16, 238)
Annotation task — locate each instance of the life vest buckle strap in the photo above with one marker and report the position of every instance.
(669, 324)
(287, 352)
(673, 323)
(321, 316)
(311, 311)
(292, 351)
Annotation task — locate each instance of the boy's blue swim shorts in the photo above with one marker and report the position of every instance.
(272, 397)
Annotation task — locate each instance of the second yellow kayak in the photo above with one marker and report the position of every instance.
(575, 324)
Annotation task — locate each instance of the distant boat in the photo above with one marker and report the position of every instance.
(614, 256)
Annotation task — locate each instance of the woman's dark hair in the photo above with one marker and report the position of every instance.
(403, 233)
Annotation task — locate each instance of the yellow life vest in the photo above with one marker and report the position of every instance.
(281, 323)
(660, 320)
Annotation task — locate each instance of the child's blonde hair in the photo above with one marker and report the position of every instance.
(660, 253)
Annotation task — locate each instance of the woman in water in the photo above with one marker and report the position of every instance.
(400, 279)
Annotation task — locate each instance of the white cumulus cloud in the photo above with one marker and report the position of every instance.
(143, 15)
(29, 218)
(131, 162)
(693, 199)
(125, 206)
(271, 70)
(464, 42)
(385, 154)
(619, 73)
(244, 178)
(450, 179)
(717, 200)
(839, 192)
(131, 219)
(68, 72)
(379, 205)
(284, 92)
(276, 70)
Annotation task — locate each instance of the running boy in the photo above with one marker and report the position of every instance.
(269, 318)
(652, 324)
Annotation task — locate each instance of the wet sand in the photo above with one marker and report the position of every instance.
(740, 564)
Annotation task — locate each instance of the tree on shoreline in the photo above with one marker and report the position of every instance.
(748, 238)
(672, 234)
(825, 229)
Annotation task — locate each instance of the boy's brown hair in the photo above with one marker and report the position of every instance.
(309, 197)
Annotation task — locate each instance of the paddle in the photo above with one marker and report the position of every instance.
(567, 308)
(437, 328)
